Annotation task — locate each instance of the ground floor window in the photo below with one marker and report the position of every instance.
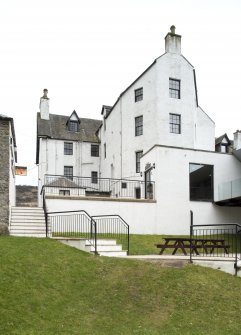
(64, 192)
(201, 182)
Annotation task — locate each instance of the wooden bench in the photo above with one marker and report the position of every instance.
(193, 245)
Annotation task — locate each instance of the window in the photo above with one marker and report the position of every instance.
(174, 88)
(94, 177)
(139, 94)
(201, 182)
(123, 185)
(68, 172)
(138, 161)
(73, 126)
(68, 148)
(94, 150)
(175, 123)
(104, 150)
(64, 192)
(138, 125)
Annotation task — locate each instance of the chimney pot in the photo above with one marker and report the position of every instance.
(173, 41)
(44, 106)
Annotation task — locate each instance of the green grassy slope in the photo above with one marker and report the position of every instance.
(48, 288)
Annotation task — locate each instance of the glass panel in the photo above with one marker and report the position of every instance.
(201, 182)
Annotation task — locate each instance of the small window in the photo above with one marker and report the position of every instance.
(104, 150)
(68, 148)
(94, 177)
(138, 125)
(73, 126)
(139, 94)
(201, 182)
(138, 161)
(175, 123)
(123, 185)
(174, 88)
(68, 172)
(94, 150)
(64, 192)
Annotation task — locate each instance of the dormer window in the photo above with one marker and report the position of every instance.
(73, 122)
(73, 126)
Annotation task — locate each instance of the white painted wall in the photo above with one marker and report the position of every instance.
(141, 217)
(171, 176)
(197, 129)
(52, 159)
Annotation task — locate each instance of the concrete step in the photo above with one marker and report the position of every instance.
(101, 242)
(122, 253)
(27, 221)
(107, 248)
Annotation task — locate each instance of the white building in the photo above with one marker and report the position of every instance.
(151, 160)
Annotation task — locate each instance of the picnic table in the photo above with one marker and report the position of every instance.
(185, 244)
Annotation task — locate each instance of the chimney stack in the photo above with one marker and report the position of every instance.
(44, 106)
(173, 41)
(237, 140)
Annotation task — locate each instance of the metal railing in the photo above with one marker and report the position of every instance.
(105, 187)
(79, 224)
(216, 240)
(113, 227)
(73, 224)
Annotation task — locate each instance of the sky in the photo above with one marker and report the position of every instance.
(87, 52)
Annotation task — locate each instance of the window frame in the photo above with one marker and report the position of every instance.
(173, 126)
(174, 90)
(69, 168)
(139, 125)
(211, 187)
(95, 150)
(138, 94)
(73, 126)
(138, 160)
(64, 192)
(68, 150)
(94, 177)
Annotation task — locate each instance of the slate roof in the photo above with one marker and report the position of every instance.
(56, 128)
(219, 139)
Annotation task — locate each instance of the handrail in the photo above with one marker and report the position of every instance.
(118, 233)
(45, 211)
(92, 225)
(98, 178)
(228, 232)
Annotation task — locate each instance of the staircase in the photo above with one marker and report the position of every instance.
(27, 221)
(107, 248)
(104, 247)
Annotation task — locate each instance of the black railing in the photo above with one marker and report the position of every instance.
(79, 224)
(215, 240)
(105, 187)
(113, 227)
(45, 211)
(73, 224)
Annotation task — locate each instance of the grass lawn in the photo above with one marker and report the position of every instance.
(49, 288)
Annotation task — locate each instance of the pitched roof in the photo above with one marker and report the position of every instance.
(56, 128)
(219, 139)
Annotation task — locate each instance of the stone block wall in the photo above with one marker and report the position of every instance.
(4, 171)
(26, 196)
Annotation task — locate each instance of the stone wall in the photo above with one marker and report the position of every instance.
(26, 196)
(4, 171)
